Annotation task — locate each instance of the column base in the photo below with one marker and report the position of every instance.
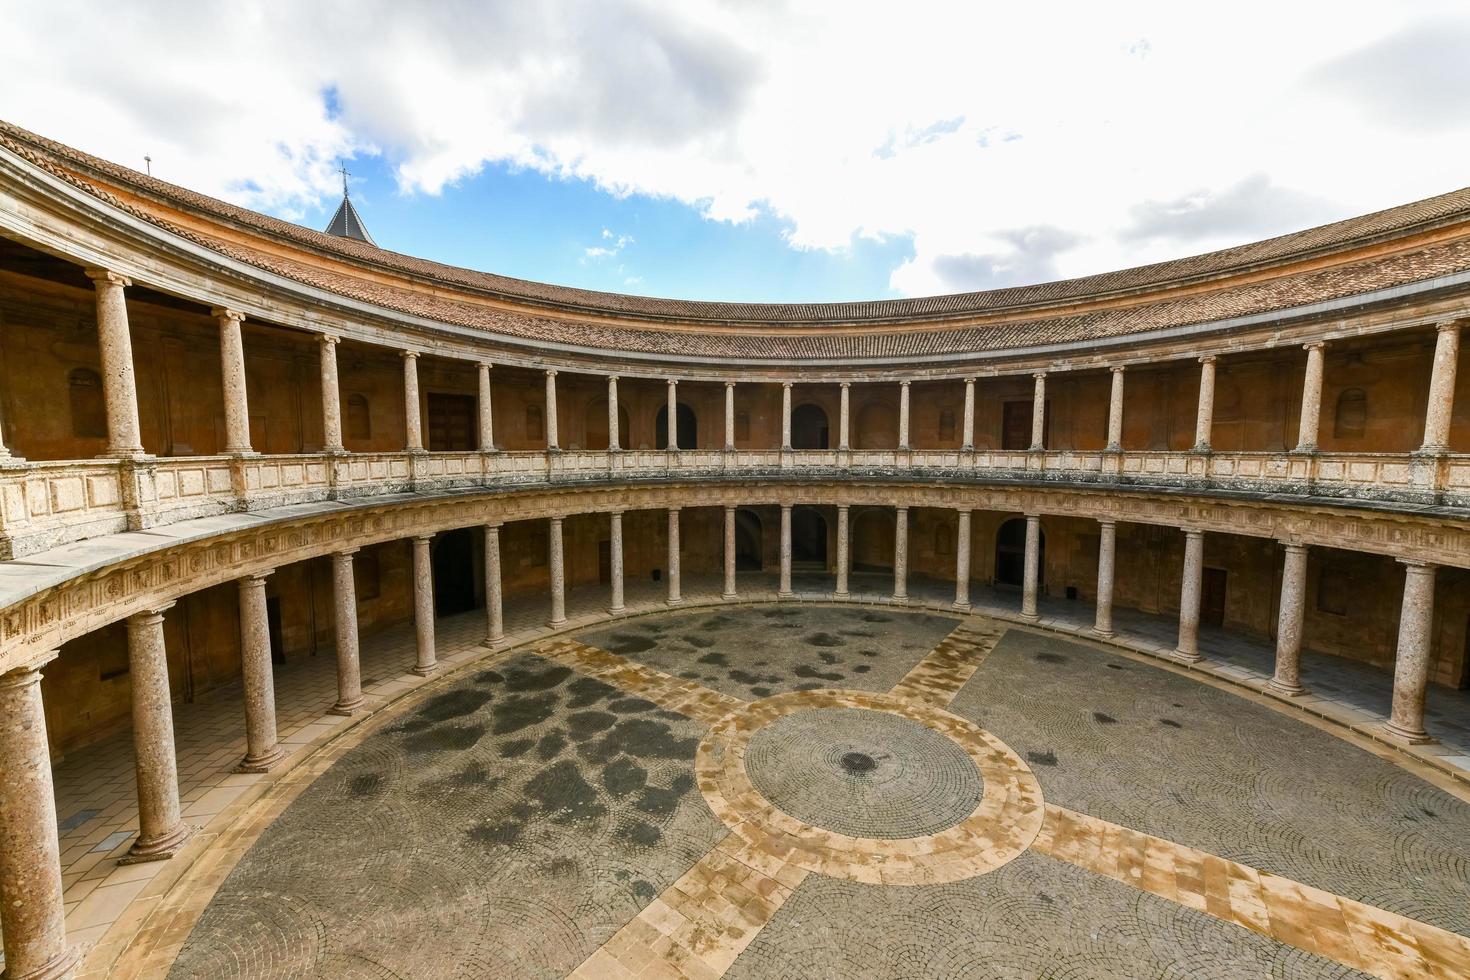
(673, 602)
(62, 965)
(1187, 657)
(160, 849)
(1273, 686)
(424, 671)
(1106, 634)
(1406, 736)
(1026, 617)
(556, 623)
(493, 642)
(899, 598)
(787, 594)
(261, 763)
(961, 606)
(727, 596)
(842, 595)
(347, 708)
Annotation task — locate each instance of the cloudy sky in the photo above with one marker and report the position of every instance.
(763, 149)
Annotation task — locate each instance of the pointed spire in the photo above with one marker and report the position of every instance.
(346, 223)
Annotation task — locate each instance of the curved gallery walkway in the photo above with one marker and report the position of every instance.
(993, 801)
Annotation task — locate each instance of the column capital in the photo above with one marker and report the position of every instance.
(612, 377)
(1314, 345)
(103, 277)
(484, 365)
(970, 380)
(1292, 544)
(28, 672)
(1207, 358)
(495, 525)
(225, 313)
(901, 509)
(963, 510)
(153, 614)
(328, 339)
(1443, 326)
(555, 520)
(843, 507)
(904, 384)
(787, 384)
(1039, 375)
(408, 355)
(425, 538)
(551, 372)
(1107, 522)
(255, 579)
(1416, 563)
(728, 508)
(673, 381)
(1193, 532)
(344, 555)
(1118, 368)
(845, 384)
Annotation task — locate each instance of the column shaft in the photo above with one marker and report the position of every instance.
(262, 751)
(551, 439)
(1287, 678)
(615, 562)
(1189, 595)
(675, 596)
(1031, 568)
(1115, 412)
(786, 415)
(1107, 551)
(614, 427)
(1441, 403)
(844, 441)
(331, 395)
(785, 588)
(1204, 419)
(494, 609)
(729, 592)
(487, 413)
(962, 562)
(903, 415)
(344, 601)
(119, 385)
(423, 607)
(729, 415)
(32, 916)
(1038, 411)
(558, 574)
(161, 827)
(232, 374)
(1415, 648)
(901, 554)
(967, 439)
(673, 420)
(1311, 401)
(843, 546)
(412, 422)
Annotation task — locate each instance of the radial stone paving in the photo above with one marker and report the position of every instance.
(531, 820)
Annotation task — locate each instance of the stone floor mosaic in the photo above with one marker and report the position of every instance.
(727, 792)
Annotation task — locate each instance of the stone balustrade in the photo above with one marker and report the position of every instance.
(46, 504)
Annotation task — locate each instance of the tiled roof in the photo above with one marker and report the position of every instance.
(1015, 317)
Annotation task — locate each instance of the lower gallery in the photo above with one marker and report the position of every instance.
(362, 616)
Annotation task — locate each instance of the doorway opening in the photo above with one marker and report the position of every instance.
(1010, 554)
(809, 427)
(452, 558)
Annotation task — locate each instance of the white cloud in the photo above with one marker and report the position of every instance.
(614, 244)
(1009, 141)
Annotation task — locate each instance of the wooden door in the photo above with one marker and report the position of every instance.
(453, 423)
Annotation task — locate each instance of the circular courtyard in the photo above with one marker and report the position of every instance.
(799, 790)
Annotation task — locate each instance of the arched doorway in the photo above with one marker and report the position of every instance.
(872, 540)
(809, 427)
(877, 427)
(452, 558)
(1010, 554)
(596, 424)
(748, 542)
(687, 424)
(808, 539)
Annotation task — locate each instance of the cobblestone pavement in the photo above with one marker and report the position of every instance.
(545, 815)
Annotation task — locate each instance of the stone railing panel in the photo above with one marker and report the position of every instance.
(46, 504)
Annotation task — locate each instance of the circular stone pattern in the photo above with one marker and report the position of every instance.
(863, 773)
(868, 787)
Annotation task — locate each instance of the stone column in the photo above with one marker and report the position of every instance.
(487, 414)
(967, 441)
(1411, 662)
(843, 546)
(615, 562)
(901, 554)
(1031, 569)
(232, 373)
(161, 828)
(903, 415)
(1189, 596)
(613, 427)
(1107, 553)
(675, 597)
(786, 415)
(673, 420)
(558, 574)
(344, 600)
(262, 751)
(551, 440)
(413, 424)
(1442, 388)
(1288, 676)
(1306, 441)
(1038, 411)
(32, 916)
(494, 609)
(119, 386)
(729, 415)
(423, 606)
(1204, 419)
(785, 588)
(962, 562)
(331, 395)
(729, 592)
(844, 442)
(1115, 412)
